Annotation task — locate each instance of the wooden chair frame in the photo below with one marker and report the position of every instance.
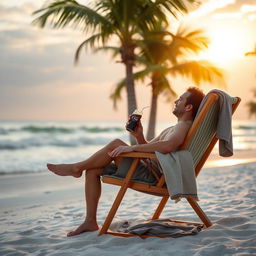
(159, 188)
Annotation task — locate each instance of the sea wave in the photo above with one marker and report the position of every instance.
(20, 172)
(58, 142)
(60, 129)
(246, 127)
(49, 129)
(26, 146)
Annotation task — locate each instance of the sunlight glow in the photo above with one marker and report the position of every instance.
(210, 6)
(248, 8)
(226, 45)
(228, 162)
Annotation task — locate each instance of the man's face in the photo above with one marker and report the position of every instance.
(180, 104)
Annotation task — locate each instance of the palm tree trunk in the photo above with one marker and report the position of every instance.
(131, 98)
(152, 117)
(128, 58)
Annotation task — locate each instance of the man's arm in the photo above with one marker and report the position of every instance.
(167, 145)
(174, 140)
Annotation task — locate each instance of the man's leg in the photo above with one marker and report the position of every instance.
(92, 196)
(98, 160)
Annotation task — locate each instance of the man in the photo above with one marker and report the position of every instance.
(100, 163)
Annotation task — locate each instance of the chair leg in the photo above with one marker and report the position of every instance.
(113, 210)
(199, 212)
(160, 207)
(119, 198)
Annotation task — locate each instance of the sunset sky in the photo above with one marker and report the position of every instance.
(38, 80)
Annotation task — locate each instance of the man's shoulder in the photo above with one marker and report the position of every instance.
(183, 125)
(179, 126)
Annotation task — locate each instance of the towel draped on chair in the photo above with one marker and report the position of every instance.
(224, 126)
(179, 173)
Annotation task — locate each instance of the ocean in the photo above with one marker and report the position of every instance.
(26, 146)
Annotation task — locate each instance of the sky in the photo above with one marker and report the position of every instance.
(39, 81)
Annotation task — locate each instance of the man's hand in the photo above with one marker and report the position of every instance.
(138, 130)
(119, 150)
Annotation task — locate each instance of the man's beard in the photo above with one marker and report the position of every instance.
(175, 112)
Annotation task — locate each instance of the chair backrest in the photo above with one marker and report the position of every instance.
(201, 137)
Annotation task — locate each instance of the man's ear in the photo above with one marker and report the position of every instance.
(189, 107)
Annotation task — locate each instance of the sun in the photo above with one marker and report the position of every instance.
(226, 45)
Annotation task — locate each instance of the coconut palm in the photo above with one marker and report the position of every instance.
(106, 20)
(165, 54)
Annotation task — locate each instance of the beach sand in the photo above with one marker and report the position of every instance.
(37, 210)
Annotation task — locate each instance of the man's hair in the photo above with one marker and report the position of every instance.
(195, 98)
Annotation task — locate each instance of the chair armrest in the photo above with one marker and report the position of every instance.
(139, 155)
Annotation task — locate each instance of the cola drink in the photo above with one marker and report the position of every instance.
(133, 121)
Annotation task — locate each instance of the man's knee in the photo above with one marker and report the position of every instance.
(116, 143)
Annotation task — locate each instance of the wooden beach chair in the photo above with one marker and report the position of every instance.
(200, 141)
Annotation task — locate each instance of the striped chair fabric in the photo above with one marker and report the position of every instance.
(205, 133)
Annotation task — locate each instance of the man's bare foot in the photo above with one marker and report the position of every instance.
(84, 227)
(65, 170)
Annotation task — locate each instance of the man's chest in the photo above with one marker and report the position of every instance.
(167, 133)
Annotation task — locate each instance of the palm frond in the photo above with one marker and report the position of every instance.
(174, 6)
(115, 96)
(187, 41)
(89, 42)
(251, 53)
(152, 11)
(141, 75)
(138, 76)
(199, 72)
(161, 84)
(169, 93)
(115, 51)
(69, 12)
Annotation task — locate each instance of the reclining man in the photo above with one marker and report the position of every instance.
(101, 163)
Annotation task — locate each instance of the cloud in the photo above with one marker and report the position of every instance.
(31, 56)
(16, 16)
(226, 8)
(53, 64)
(237, 6)
(210, 6)
(16, 24)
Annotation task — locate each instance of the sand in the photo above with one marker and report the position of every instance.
(37, 210)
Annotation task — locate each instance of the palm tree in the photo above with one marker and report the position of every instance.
(165, 54)
(107, 20)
